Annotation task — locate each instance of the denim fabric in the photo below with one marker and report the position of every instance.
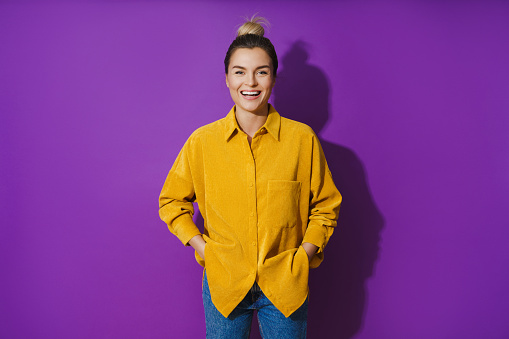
(272, 323)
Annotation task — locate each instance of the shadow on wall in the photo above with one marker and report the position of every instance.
(338, 287)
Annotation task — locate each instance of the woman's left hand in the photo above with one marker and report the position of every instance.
(310, 249)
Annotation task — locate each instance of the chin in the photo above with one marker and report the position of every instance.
(253, 108)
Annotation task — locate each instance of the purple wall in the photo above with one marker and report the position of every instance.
(411, 100)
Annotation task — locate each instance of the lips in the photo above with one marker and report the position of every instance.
(250, 94)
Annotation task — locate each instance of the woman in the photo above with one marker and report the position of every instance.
(267, 198)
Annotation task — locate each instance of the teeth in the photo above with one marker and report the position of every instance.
(250, 93)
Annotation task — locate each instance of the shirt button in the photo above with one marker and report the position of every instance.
(253, 243)
(251, 185)
(252, 214)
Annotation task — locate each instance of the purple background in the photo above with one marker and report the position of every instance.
(410, 99)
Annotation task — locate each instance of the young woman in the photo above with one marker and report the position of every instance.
(267, 198)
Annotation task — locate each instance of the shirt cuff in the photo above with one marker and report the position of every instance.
(186, 230)
(315, 234)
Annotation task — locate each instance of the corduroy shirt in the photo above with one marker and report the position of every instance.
(259, 202)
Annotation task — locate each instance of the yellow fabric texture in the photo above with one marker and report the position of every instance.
(259, 203)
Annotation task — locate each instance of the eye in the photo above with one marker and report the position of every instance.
(263, 72)
(239, 72)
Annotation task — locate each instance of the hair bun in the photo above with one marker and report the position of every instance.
(253, 26)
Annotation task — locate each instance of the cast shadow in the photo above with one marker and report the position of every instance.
(337, 297)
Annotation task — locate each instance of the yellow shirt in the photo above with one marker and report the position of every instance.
(259, 203)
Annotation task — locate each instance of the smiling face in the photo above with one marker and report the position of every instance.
(250, 80)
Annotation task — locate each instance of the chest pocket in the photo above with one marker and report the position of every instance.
(283, 198)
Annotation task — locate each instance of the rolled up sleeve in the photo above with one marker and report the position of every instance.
(177, 197)
(325, 201)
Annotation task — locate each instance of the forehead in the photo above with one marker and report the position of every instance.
(250, 57)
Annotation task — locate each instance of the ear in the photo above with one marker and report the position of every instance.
(227, 84)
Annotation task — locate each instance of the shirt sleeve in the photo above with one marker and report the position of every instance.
(177, 196)
(325, 201)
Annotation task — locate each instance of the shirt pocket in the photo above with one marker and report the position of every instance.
(283, 198)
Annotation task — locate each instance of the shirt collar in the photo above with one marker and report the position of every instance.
(272, 124)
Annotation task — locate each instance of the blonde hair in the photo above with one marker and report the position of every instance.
(253, 26)
(250, 35)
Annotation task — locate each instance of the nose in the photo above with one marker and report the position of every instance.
(251, 80)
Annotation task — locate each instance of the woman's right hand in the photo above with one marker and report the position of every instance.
(198, 244)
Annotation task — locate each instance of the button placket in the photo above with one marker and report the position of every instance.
(251, 204)
(251, 182)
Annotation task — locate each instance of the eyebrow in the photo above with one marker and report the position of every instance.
(264, 66)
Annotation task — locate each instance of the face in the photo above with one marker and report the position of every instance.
(250, 80)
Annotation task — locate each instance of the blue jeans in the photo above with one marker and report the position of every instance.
(272, 323)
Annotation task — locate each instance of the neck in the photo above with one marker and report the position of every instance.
(250, 122)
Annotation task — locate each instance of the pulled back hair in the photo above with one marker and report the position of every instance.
(250, 35)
